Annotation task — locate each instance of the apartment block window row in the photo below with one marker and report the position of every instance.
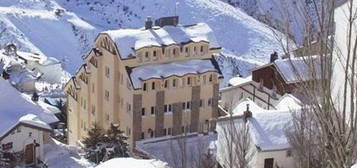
(188, 81)
(169, 52)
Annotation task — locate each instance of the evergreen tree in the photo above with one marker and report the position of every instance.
(95, 136)
(116, 139)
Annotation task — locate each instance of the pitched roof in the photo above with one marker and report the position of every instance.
(129, 40)
(295, 69)
(267, 127)
(14, 105)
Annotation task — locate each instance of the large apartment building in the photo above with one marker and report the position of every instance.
(153, 81)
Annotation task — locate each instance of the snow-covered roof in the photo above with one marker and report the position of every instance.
(33, 119)
(296, 69)
(268, 129)
(235, 81)
(132, 163)
(179, 68)
(129, 40)
(14, 105)
(288, 102)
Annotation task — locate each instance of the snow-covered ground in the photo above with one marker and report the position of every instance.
(175, 149)
(59, 155)
(132, 163)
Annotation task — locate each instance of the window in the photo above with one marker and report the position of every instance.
(165, 108)
(107, 72)
(128, 106)
(269, 163)
(183, 105)
(209, 102)
(174, 83)
(170, 108)
(201, 103)
(151, 134)
(142, 135)
(204, 79)
(186, 50)
(201, 49)
(144, 86)
(143, 111)
(188, 104)
(194, 50)
(106, 95)
(152, 110)
(146, 54)
(166, 83)
(154, 53)
(174, 51)
(188, 80)
(169, 131)
(165, 131)
(153, 86)
(288, 153)
(18, 129)
(210, 78)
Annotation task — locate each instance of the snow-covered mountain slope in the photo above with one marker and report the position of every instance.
(40, 27)
(65, 29)
(236, 32)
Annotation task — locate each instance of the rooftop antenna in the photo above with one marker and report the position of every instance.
(176, 4)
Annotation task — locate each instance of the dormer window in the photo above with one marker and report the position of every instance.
(153, 86)
(144, 86)
(166, 83)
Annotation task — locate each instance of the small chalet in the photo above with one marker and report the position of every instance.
(269, 146)
(285, 75)
(24, 141)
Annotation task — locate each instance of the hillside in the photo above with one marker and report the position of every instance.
(39, 26)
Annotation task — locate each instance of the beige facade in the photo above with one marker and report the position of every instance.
(105, 90)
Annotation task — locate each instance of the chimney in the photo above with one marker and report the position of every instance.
(274, 56)
(247, 114)
(148, 23)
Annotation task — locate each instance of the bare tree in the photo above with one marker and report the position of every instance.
(234, 139)
(324, 132)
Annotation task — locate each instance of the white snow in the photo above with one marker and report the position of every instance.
(354, 166)
(168, 149)
(132, 163)
(127, 39)
(34, 120)
(14, 105)
(268, 129)
(59, 155)
(235, 81)
(298, 68)
(181, 68)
